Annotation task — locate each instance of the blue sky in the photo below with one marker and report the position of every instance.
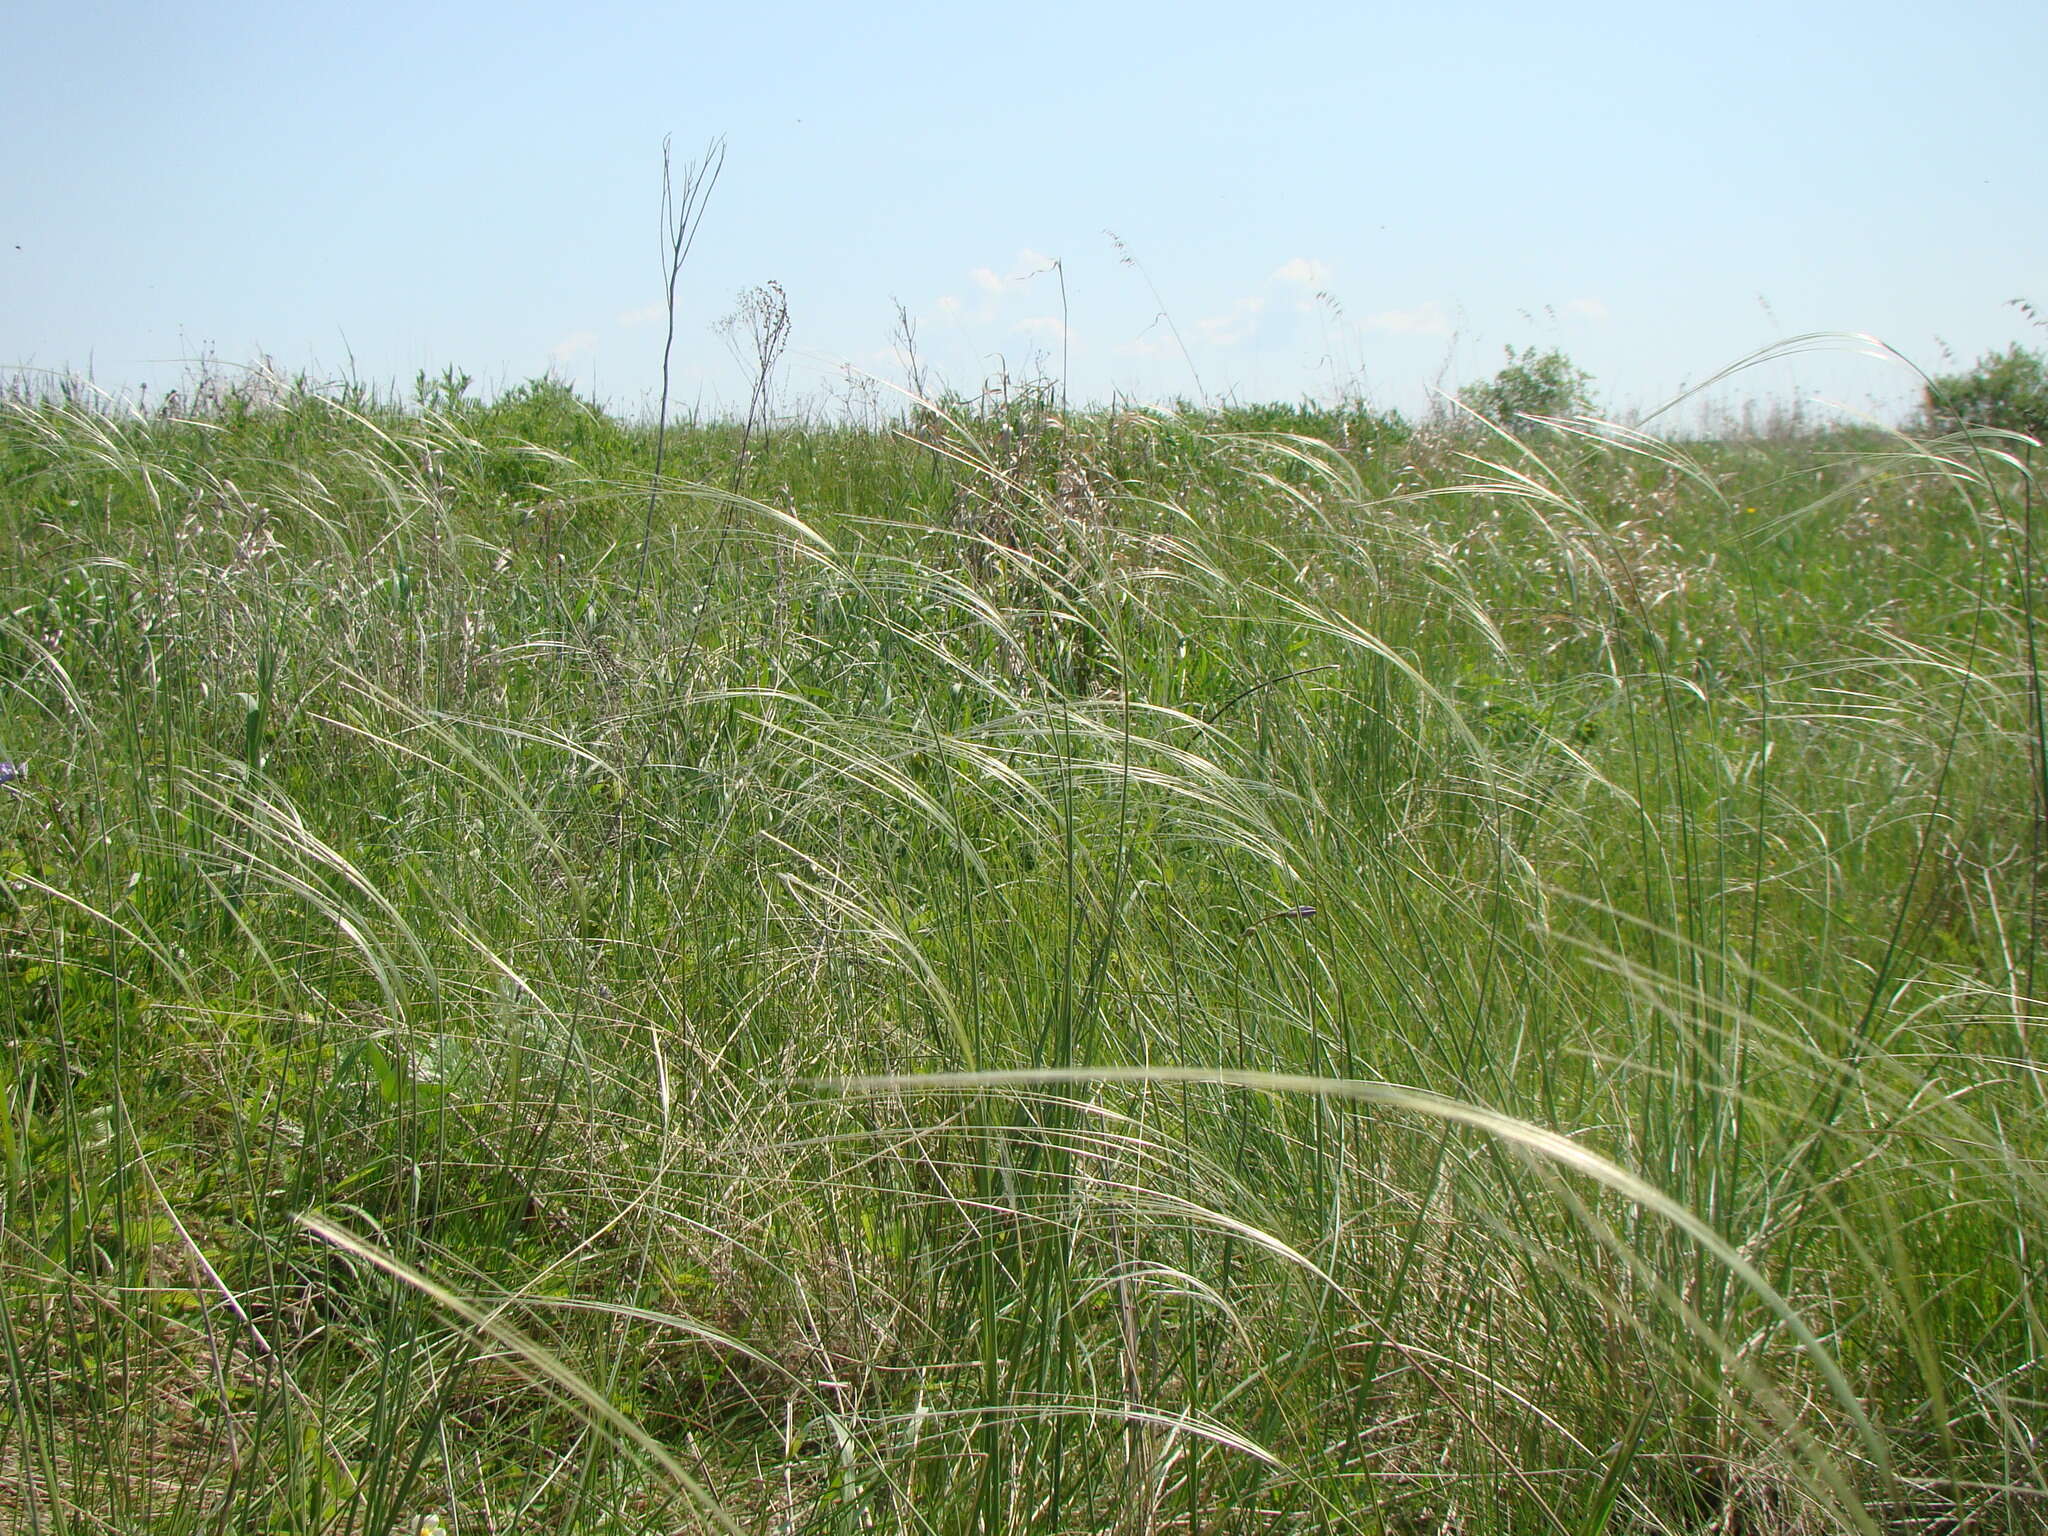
(1374, 197)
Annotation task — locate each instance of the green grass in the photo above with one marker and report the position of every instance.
(1118, 972)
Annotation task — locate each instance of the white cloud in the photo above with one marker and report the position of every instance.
(1589, 309)
(573, 345)
(650, 314)
(1029, 263)
(1426, 319)
(992, 291)
(1305, 270)
(1147, 346)
(1241, 324)
(1044, 327)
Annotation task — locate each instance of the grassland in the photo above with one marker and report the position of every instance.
(1239, 971)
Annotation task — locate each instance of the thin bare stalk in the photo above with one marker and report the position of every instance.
(757, 330)
(682, 215)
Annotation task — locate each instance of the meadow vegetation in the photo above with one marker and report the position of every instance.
(1015, 970)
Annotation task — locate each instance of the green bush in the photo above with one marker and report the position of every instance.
(1531, 384)
(2007, 390)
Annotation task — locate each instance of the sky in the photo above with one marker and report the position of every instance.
(1136, 200)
